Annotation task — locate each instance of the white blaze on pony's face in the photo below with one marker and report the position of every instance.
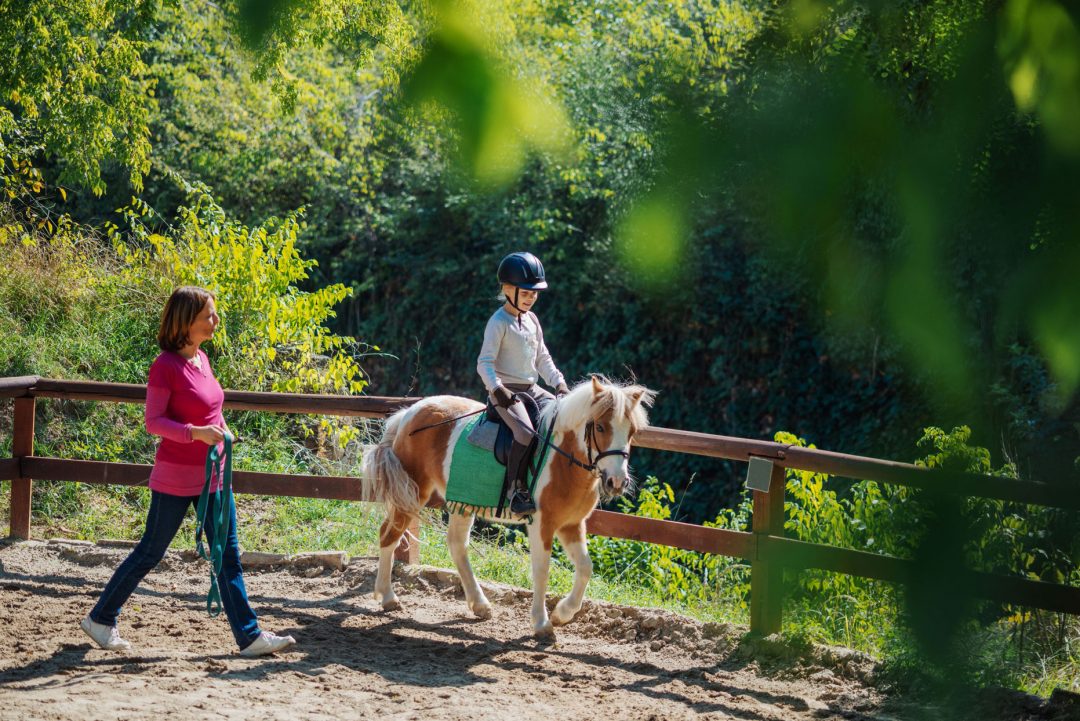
(617, 415)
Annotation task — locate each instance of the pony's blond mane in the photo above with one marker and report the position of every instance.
(578, 407)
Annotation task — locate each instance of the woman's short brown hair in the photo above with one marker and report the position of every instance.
(181, 310)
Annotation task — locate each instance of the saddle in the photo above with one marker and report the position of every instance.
(494, 435)
(491, 433)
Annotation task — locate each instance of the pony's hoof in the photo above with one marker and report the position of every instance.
(560, 616)
(544, 631)
(481, 611)
(391, 604)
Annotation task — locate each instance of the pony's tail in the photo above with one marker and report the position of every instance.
(384, 479)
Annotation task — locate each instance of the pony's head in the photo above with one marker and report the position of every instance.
(605, 416)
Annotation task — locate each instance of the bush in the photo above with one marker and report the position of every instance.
(864, 515)
(274, 335)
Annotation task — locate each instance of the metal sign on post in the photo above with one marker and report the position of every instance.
(759, 474)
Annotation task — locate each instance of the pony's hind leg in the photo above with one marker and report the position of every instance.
(573, 541)
(457, 538)
(397, 521)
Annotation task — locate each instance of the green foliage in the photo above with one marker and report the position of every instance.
(875, 147)
(74, 86)
(278, 338)
(61, 311)
(672, 573)
(221, 125)
(273, 30)
(498, 117)
(78, 83)
(653, 46)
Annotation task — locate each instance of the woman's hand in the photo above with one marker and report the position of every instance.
(210, 435)
(562, 390)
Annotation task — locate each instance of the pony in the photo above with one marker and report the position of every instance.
(591, 429)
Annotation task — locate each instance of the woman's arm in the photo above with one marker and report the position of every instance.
(157, 423)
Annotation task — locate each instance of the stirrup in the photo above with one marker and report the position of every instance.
(522, 503)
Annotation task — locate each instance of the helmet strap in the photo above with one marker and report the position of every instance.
(514, 303)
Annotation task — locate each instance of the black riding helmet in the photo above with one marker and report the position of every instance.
(524, 271)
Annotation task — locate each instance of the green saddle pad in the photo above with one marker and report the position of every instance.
(476, 478)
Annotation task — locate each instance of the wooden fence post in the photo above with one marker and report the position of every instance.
(22, 444)
(766, 574)
(408, 550)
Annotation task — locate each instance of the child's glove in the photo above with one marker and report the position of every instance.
(503, 397)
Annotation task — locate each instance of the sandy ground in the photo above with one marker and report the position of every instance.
(430, 660)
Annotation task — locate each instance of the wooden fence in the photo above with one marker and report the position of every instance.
(764, 546)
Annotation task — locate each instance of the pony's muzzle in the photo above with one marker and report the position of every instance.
(611, 485)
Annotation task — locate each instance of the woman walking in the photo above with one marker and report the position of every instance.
(183, 407)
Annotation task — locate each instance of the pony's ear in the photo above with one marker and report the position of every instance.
(640, 394)
(597, 389)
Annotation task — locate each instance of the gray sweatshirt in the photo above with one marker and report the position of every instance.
(514, 353)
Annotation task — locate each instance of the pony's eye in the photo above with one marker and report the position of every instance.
(599, 427)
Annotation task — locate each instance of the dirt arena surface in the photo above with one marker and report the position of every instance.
(430, 660)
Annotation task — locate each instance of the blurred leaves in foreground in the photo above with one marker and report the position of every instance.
(898, 154)
(499, 113)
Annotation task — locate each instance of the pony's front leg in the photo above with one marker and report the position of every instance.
(573, 541)
(457, 538)
(389, 536)
(540, 555)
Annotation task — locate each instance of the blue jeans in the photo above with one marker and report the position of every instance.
(162, 522)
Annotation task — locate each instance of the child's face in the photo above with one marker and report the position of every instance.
(525, 298)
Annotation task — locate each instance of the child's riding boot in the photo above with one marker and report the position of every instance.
(521, 501)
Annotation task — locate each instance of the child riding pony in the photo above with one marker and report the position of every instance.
(585, 441)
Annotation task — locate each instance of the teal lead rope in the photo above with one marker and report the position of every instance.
(215, 461)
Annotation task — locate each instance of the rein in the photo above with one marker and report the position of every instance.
(590, 441)
(218, 521)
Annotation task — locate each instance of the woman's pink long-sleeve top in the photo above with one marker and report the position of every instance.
(180, 395)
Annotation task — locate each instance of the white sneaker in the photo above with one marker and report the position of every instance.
(105, 636)
(267, 643)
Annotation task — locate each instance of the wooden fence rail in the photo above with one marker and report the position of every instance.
(765, 547)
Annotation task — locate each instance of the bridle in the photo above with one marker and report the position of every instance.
(591, 446)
